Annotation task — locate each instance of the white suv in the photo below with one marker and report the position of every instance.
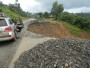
(8, 29)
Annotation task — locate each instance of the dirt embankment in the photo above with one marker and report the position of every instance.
(57, 30)
(84, 35)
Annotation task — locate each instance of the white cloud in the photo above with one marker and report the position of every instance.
(30, 5)
(46, 5)
(77, 10)
(8, 1)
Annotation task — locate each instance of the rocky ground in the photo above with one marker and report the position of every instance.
(29, 34)
(59, 53)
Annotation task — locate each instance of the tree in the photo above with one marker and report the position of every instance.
(68, 17)
(17, 9)
(16, 1)
(46, 14)
(1, 3)
(40, 15)
(57, 9)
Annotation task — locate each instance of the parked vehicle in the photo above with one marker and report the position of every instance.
(3, 15)
(8, 29)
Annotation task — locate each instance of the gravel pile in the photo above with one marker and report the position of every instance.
(59, 53)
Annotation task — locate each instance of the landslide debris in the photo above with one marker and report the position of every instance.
(59, 53)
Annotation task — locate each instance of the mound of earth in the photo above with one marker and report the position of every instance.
(55, 29)
(50, 29)
(59, 53)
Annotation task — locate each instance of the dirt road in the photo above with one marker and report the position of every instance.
(29, 40)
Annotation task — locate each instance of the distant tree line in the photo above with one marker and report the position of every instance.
(16, 9)
(83, 14)
(74, 19)
(42, 15)
(81, 20)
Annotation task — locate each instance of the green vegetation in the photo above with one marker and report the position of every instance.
(14, 10)
(73, 29)
(79, 21)
(57, 9)
(65, 16)
(46, 15)
(9, 12)
(83, 14)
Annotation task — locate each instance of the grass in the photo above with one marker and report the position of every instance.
(72, 28)
(10, 13)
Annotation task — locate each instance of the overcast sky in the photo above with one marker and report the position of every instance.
(46, 5)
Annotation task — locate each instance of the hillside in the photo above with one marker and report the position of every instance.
(11, 13)
(58, 30)
(8, 12)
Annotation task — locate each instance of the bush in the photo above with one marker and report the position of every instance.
(81, 22)
(65, 16)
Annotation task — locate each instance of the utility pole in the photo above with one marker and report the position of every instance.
(16, 1)
(17, 4)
